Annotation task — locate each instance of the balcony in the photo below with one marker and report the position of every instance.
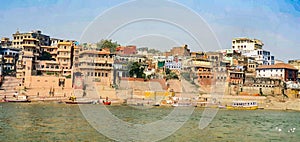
(95, 67)
(103, 67)
(63, 50)
(20, 70)
(29, 45)
(49, 69)
(28, 53)
(63, 56)
(97, 60)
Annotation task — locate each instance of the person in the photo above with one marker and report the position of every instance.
(4, 98)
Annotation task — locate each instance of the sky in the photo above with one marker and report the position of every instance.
(276, 23)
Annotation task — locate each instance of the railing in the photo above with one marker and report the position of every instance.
(63, 56)
(49, 69)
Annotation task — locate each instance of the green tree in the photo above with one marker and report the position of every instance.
(168, 71)
(172, 75)
(46, 56)
(136, 70)
(107, 43)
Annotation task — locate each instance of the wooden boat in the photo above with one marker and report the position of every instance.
(79, 102)
(17, 101)
(106, 102)
(243, 105)
(182, 104)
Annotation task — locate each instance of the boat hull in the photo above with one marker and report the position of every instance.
(242, 108)
(18, 101)
(71, 102)
(106, 103)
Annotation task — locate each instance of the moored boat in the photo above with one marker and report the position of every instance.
(17, 101)
(106, 102)
(74, 100)
(243, 105)
(79, 102)
(182, 104)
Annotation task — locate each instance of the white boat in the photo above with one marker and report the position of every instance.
(185, 104)
(243, 105)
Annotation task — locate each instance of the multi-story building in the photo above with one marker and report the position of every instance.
(20, 38)
(262, 57)
(122, 63)
(281, 71)
(65, 53)
(10, 58)
(96, 66)
(296, 64)
(173, 63)
(231, 56)
(5, 42)
(30, 51)
(62, 55)
(30, 45)
(236, 77)
(126, 50)
(246, 44)
(253, 48)
(182, 51)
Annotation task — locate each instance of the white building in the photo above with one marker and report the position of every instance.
(261, 56)
(281, 71)
(246, 44)
(253, 48)
(173, 63)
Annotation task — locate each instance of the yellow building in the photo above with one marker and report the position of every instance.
(96, 66)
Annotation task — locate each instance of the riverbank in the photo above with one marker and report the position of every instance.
(268, 103)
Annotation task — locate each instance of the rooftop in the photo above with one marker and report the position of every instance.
(277, 66)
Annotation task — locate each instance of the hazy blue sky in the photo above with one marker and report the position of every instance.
(276, 23)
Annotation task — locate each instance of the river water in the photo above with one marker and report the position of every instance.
(62, 122)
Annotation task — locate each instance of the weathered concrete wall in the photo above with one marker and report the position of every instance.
(236, 90)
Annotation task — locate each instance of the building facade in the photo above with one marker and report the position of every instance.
(253, 48)
(281, 71)
(296, 64)
(10, 58)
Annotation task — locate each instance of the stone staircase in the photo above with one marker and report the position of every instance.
(9, 86)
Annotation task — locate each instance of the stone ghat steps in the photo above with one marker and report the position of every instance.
(9, 86)
(48, 92)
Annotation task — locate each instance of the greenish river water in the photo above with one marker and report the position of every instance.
(62, 122)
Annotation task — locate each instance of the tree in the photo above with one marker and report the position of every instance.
(170, 74)
(136, 70)
(107, 43)
(168, 71)
(46, 56)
